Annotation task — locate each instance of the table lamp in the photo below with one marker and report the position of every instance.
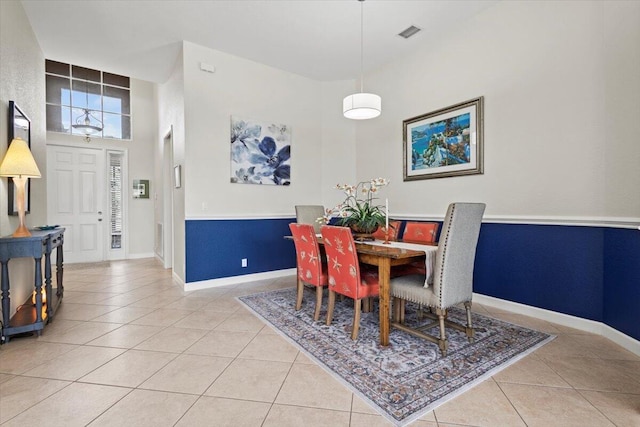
(18, 163)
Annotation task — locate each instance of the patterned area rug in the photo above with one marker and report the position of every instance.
(409, 378)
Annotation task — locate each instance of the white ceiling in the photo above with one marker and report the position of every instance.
(319, 39)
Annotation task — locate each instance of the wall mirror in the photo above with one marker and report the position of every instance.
(19, 127)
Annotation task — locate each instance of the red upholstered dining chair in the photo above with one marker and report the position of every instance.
(311, 269)
(394, 230)
(417, 232)
(420, 232)
(346, 277)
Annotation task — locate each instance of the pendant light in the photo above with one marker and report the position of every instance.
(362, 106)
(84, 122)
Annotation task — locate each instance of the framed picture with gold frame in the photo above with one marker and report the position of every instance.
(444, 143)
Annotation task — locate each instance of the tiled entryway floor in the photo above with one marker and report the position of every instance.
(129, 347)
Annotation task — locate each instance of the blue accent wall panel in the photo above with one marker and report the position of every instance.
(558, 268)
(588, 272)
(215, 248)
(622, 281)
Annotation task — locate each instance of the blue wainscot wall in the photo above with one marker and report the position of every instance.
(588, 272)
(559, 268)
(215, 248)
(621, 300)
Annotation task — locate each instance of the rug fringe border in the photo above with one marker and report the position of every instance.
(422, 412)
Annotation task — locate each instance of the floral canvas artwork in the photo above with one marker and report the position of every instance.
(260, 152)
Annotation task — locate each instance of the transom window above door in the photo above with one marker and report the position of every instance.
(72, 91)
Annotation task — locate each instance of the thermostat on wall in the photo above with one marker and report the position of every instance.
(207, 67)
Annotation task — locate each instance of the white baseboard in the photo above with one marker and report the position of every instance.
(621, 339)
(177, 279)
(233, 280)
(586, 325)
(139, 256)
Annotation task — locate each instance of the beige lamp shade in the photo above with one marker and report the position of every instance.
(19, 162)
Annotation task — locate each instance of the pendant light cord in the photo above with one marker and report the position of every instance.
(361, 46)
(362, 106)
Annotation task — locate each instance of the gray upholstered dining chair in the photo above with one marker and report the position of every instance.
(308, 214)
(452, 278)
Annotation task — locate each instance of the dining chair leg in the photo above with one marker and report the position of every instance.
(396, 309)
(357, 306)
(367, 304)
(332, 302)
(442, 342)
(316, 315)
(299, 295)
(469, 329)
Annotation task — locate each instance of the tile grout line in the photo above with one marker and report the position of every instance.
(596, 408)
(510, 401)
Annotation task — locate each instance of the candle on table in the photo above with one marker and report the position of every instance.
(387, 212)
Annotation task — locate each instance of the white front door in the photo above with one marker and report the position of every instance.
(75, 200)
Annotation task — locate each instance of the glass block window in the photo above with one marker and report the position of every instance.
(115, 199)
(71, 90)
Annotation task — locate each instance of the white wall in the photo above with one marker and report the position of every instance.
(199, 105)
(338, 142)
(560, 82)
(557, 86)
(140, 231)
(621, 62)
(141, 166)
(22, 81)
(243, 88)
(171, 106)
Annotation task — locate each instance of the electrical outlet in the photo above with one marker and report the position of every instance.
(244, 262)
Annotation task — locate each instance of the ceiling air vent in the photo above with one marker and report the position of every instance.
(409, 32)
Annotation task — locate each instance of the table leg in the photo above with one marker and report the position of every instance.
(47, 284)
(38, 286)
(6, 300)
(384, 273)
(59, 271)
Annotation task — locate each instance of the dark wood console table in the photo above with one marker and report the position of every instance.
(30, 317)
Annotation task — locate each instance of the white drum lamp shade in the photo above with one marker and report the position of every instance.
(362, 106)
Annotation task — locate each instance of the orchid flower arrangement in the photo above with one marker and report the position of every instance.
(358, 210)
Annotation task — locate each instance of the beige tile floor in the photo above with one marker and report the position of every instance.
(129, 347)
